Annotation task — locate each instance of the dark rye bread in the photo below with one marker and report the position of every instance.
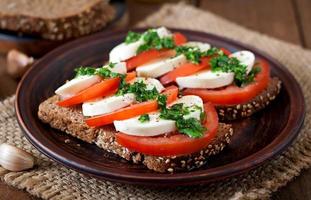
(55, 19)
(232, 112)
(70, 120)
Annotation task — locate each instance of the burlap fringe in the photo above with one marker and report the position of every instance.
(52, 181)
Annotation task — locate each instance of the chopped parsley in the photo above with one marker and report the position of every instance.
(139, 88)
(162, 101)
(104, 72)
(111, 65)
(224, 63)
(189, 126)
(153, 41)
(193, 54)
(85, 71)
(144, 118)
(132, 37)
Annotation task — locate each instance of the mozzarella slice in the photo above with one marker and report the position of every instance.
(206, 79)
(118, 68)
(76, 85)
(112, 103)
(246, 58)
(125, 51)
(163, 32)
(191, 101)
(107, 105)
(156, 125)
(150, 83)
(201, 45)
(160, 67)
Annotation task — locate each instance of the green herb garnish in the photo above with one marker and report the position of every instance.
(153, 41)
(189, 126)
(225, 64)
(251, 76)
(139, 88)
(85, 71)
(144, 118)
(162, 101)
(132, 37)
(194, 54)
(111, 65)
(102, 71)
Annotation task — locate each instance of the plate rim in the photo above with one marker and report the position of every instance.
(196, 177)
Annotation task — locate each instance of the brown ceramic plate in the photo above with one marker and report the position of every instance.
(256, 139)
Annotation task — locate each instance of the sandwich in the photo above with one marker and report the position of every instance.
(146, 105)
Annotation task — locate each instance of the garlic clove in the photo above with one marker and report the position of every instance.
(15, 159)
(18, 63)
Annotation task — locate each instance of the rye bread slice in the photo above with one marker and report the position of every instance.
(70, 120)
(232, 112)
(55, 20)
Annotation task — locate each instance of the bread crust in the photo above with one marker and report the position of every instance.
(70, 120)
(93, 18)
(232, 112)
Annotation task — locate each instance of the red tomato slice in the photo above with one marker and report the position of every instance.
(152, 54)
(177, 144)
(146, 57)
(103, 88)
(133, 110)
(226, 51)
(179, 38)
(231, 95)
(184, 70)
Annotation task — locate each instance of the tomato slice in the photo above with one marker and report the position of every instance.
(152, 54)
(179, 38)
(133, 110)
(184, 70)
(226, 51)
(177, 144)
(232, 95)
(103, 88)
(146, 57)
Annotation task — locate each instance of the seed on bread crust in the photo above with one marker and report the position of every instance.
(262, 100)
(70, 120)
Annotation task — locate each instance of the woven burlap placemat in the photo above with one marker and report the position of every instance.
(53, 181)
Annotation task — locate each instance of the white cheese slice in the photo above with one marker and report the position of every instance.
(205, 79)
(156, 125)
(125, 51)
(76, 85)
(118, 68)
(201, 45)
(160, 66)
(246, 58)
(163, 32)
(109, 104)
(210, 80)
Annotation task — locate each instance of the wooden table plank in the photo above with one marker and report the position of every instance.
(272, 17)
(304, 14)
(7, 84)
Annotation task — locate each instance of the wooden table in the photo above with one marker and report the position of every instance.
(289, 20)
